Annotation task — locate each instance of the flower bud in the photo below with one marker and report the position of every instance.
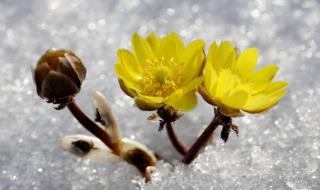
(58, 76)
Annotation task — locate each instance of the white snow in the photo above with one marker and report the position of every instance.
(277, 150)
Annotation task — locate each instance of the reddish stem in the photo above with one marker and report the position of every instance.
(179, 146)
(202, 141)
(92, 127)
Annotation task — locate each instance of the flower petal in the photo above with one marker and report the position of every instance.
(192, 48)
(192, 59)
(177, 99)
(155, 100)
(225, 82)
(124, 74)
(170, 47)
(265, 74)
(148, 103)
(126, 90)
(141, 48)
(210, 78)
(212, 55)
(246, 62)
(129, 87)
(154, 41)
(146, 106)
(207, 97)
(275, 87)
(262, 102)
(235, 99)
(184, 103)
(127, 59)
(192, 85)
(222, 56)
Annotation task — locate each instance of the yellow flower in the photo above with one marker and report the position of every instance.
(232, 83)
(161, 71)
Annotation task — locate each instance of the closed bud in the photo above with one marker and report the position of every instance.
(58, 76)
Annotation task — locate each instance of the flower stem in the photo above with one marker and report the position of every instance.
(92, 127)
(178, 145)
(202, 141)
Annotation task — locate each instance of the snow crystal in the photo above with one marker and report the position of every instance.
(277, 150)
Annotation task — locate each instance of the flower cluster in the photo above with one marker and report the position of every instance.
(162, 74)
(164, 71)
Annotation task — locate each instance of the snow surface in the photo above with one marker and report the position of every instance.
(277, 150)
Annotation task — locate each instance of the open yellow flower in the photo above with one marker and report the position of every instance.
(161, 71)
(232, 83)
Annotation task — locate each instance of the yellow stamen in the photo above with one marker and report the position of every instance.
(160, 77)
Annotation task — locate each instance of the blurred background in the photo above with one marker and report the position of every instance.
(277, 150)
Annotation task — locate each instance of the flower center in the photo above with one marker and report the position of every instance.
(160, 77)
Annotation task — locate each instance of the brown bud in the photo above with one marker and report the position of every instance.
(58, 76)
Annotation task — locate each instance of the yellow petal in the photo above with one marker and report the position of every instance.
(222, 56)
(235, 99)
(126, 58)
(256, 103)
(269, 89)
(275, 87)
(227, 54)
(229, 59)
(210, 78)
(127, 84)
(265, 74)
(226, 82)
(192, 69)
(212, 54)
(237, 52)
(192, 48)
(192, 60)
(246, 62)
(146, 105)
(185, 89)
(170, 47)
(262, 102)
(124, 74)
(152, 99)
(154, 41)
(206, 96)
(192, 85)
(141, 48)
(125, 89)
(184, 103)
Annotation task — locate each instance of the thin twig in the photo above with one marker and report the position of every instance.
(178, 145)
(92, 127)
(202, 141)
